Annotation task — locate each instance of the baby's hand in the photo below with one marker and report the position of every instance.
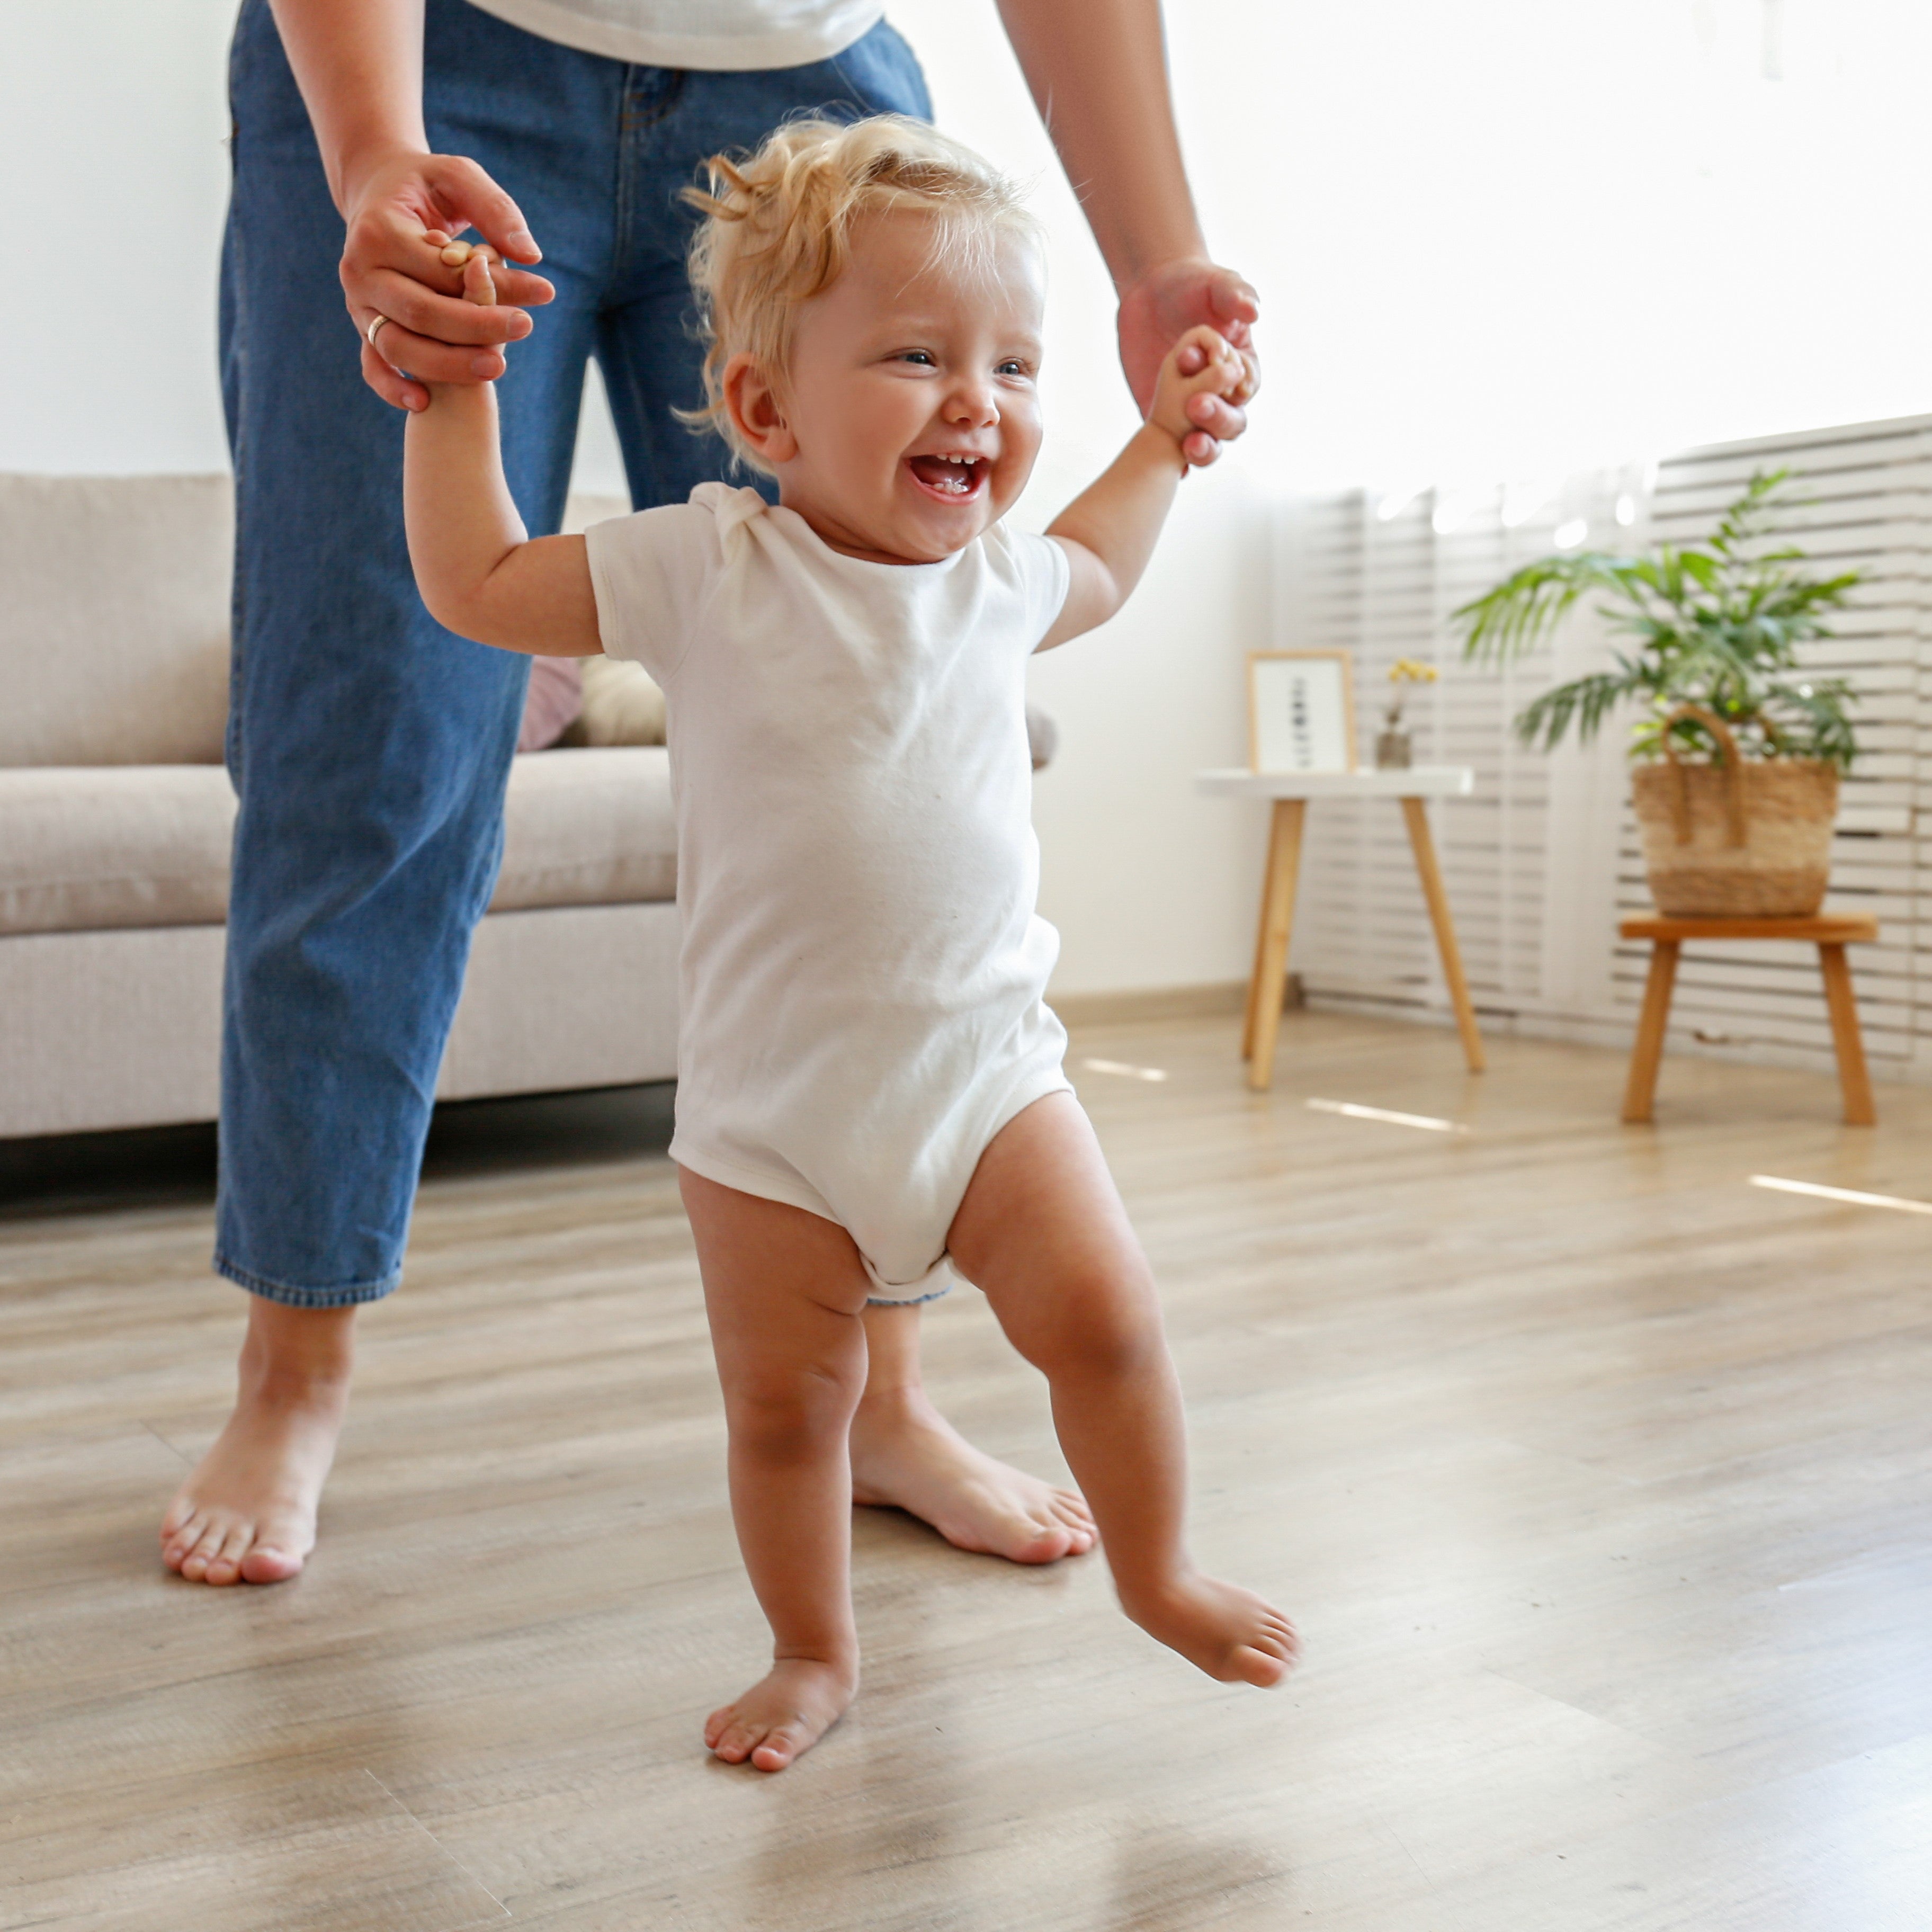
(1222, 373)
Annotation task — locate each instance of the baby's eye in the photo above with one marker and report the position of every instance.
(922, 357)
(1013, 366)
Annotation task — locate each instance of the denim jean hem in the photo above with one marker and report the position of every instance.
(348, 1295)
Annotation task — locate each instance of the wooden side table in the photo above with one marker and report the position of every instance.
(1291, 791)
(1831, 937)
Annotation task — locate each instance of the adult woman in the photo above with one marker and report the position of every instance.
(369, 747)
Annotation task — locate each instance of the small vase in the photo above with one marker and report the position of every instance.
(1393, 749)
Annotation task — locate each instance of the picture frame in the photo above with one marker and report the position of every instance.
(1301, 711)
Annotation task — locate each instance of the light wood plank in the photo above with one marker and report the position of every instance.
(1595, 1478)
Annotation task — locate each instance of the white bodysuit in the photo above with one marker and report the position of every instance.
(863, 967)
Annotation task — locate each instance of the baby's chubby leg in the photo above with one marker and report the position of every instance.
(1042, 1233)
(783, 1290)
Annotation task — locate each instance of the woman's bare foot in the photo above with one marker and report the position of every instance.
(906, 1455)
(247, 1512)
(784, 1715)
(1228, 1632)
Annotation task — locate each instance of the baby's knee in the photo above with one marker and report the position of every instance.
(784, 1413)
(1103, 1322)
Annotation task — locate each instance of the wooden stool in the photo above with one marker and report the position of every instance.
(1830, 936)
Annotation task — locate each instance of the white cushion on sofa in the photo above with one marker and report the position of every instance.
(588, 828)
(86, 847)
(114, 621)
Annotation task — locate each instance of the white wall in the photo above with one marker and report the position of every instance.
(113, 178)
(1498, 239)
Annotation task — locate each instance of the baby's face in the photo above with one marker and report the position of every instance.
(913, 408)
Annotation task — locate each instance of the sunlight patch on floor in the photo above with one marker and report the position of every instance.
(1850, 1194)
(1353, 1110)
(1124, 1069)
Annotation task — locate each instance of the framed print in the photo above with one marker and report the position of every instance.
(1301, 712)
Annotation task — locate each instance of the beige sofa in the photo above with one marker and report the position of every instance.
(115, 818)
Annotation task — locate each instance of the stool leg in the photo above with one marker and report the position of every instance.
(1648, 1050)
(1843, 1002)
(1271, 982)
(1416, 814)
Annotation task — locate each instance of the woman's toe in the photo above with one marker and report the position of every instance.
(1046, 1543)
(202, 1552)
(268, 1563)
(225, 1565)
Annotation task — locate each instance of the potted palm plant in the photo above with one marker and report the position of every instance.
(1737, 752)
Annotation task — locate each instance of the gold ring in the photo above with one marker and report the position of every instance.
(375, 322)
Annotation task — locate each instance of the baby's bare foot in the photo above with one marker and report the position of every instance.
(247, 1512)
(1228, 1632)
(906, 1455)
(784, 1715)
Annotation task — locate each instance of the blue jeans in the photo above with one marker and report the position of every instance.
(369, 746)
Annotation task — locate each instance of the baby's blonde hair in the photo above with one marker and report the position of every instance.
(777, 231)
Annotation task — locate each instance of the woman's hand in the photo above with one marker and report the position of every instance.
(400, 210)
(1157, 310)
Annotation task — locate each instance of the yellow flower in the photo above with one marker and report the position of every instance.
(1412, 670)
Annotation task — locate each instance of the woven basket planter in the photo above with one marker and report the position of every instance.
(1746, 839)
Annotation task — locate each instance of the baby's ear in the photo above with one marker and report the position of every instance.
(757, 409)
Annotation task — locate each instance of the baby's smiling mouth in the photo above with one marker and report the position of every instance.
(956, 478)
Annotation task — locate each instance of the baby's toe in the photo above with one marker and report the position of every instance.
(1257, 1666)
(779, 1747)
(737, 1738)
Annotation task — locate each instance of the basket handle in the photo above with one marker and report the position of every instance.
(1734, 781)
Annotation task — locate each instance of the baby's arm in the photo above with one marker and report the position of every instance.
(1108, 532)
(477, 569)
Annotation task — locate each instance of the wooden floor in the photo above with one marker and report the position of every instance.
(1599, 1481)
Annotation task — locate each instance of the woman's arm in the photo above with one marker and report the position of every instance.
(1098, 72)
(1109, 530)
(359, 65)
(479, 572)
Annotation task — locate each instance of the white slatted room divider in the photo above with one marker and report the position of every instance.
(1544, 859)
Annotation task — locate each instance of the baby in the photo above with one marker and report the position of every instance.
(870, 1089)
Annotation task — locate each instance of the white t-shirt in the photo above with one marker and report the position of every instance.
(722, 35)
(862, 965)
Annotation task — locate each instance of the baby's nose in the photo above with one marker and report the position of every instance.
(972, 403)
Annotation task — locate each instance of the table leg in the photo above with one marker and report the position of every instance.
(1839, 997)
(1260, 939)
(1269, 988)
(1417, 815)
(1648, 1050)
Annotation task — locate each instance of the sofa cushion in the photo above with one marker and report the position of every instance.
(114, 621)
(589, 828)
(622, 706)
(83, 847)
